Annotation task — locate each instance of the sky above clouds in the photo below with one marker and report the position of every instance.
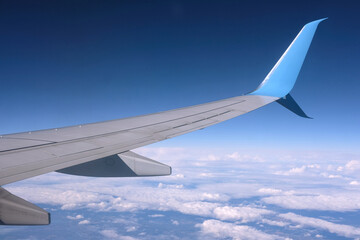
(266, 175)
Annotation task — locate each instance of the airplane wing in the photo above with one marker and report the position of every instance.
(103, 149)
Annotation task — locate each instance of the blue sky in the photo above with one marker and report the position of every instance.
(66, 63)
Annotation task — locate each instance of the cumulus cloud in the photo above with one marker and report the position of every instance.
(244, 157)
(175, 222)
(355, 183)
(275, 223)
(334, 176)
(79, 217)
(162, 185)
(235, 156)
(112, 234)
(205, 190)
(126, 198)
(352, 165)
(232, 189)
(339, 229)
(76, 217)
(156, 215)
(180, 156)
(206, 174)
(68, 199)
(131, 229)
(351, 168)
(243, 214)
(210, 157)
(340, 203)
(131, 199)
(219, 229)
(103, 197)
(84, 222)
(298, 170)
(269, 190)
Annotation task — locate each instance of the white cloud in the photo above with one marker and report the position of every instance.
(205, 190)
(298, 170)
(334, 176)
(212, 196)
(206, 174)
(131, 229)
(210, 157)
(339, 229)
(352, 165)
(269, 190)
(84, 222)
(218, 229)
(76, 217)
(162, 185)
(337, 202)
(236, 156)
(179, 176)
(340, 168)
(127, 198)
(244, 214)
(112, 234)
(275, 223)
(179, 156)
(175, 222)
(232, 189)
(195, 208)
(131, 199)
(156, 215)
(355, 183)
(350, 168)
(69, 199)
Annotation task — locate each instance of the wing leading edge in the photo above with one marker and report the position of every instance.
(94, 149)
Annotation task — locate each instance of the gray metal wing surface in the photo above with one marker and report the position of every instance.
(28, 154)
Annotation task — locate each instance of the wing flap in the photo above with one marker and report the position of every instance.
(127, 164)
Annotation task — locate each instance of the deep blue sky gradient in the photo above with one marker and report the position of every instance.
(72, 62)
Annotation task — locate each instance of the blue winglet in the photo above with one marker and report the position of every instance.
(289, 103)
(282, 77)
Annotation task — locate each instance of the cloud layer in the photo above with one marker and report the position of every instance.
(231, 195)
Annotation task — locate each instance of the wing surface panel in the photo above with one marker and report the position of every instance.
(61, 149)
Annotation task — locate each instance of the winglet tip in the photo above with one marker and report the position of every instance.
(317, 21)
(289, 103)
(289, 65)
